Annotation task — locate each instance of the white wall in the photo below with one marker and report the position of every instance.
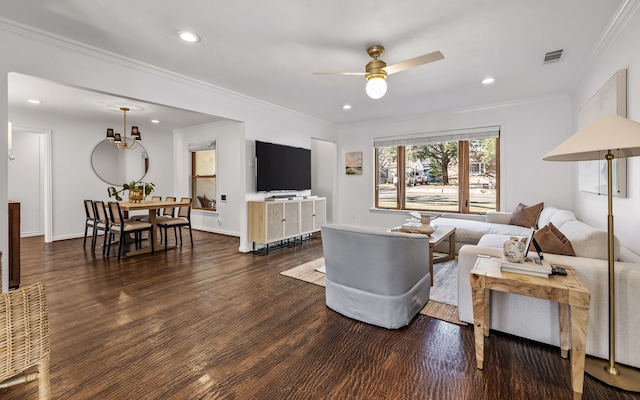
(621, 51)
(73, 179)
(527, 130)
(67, 63)
(229, 137)
(323, 173)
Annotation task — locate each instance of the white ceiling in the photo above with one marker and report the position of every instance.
(269, 49)
(88, 105)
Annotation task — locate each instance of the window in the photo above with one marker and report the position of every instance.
(453, 172)
(203, 178)
(387, 177)
(477, 168)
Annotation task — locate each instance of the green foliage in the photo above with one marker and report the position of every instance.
(440, 155)
(485, 151)
(387, 156)
(148, 188)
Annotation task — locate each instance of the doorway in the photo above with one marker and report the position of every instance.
(324, 160)
(28, 180)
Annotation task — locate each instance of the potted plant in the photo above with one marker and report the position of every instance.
(138, 191)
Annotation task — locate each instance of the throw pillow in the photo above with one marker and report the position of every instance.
(526, 216)
(551, 240)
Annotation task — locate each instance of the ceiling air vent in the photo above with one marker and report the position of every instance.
(553, 56)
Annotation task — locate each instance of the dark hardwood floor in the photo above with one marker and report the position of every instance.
(213, 323)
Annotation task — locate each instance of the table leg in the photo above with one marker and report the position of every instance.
(565, 329)
(487, 312)
(452, 246)
(431, 262)
(579, 324)
(156, 232)
(156, 237)
(480, 309)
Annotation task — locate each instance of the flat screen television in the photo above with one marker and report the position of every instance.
(281, 167)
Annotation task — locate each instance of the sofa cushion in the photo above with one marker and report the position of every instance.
(551, 240)
(526, 216)
(546, 214)
(469, 231)
(493, 240)
(588, 241)
(561, 217)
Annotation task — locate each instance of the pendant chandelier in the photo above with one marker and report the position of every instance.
(117, 140)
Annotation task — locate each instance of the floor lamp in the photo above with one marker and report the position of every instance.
(605, 138)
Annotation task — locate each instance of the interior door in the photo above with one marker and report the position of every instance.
(25, 181)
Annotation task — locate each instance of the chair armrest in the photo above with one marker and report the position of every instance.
(499, 217)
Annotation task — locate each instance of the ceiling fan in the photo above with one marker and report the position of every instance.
(377, 70)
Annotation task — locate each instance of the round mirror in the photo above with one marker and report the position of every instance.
(115, 166)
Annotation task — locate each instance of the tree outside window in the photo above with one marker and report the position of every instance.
(453, 176)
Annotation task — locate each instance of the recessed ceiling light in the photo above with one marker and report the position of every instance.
(34, 101)
(189, 36)
(155, 121)
(346, 107)
(488, 81)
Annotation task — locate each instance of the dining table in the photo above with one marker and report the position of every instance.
(152, 206)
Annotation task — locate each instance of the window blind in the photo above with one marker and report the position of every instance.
(455, 135)
(200, 146)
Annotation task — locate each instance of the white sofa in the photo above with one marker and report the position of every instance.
(538, 319)
(471, 231)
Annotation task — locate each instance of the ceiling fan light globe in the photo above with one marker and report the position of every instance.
(376, 87)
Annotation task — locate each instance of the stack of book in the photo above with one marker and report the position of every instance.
(529, 266)
(410, 227)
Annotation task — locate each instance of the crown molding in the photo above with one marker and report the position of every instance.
(617, 24)
(65, 43)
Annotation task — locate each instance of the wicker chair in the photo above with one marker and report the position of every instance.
(206, 202)
(24, 338)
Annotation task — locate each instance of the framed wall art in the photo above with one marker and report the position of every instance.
(353, 162)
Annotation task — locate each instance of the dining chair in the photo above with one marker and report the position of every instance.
(24, 338)
(168, 212)
(102, 224)
(183, 219)
(121, 227)
(164, 213)
(89, 222)
(145, 217)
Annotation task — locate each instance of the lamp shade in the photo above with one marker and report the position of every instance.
(376, 87)
(618, 134)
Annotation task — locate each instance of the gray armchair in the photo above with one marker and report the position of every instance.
(378, 277)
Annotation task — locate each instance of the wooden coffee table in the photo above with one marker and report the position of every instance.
(572, 298)
(438, 236)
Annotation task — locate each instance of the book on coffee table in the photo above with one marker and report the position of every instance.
(410, 227)
(529, 266)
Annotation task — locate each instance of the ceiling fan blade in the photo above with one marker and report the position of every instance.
(413, 62)
(339, 73)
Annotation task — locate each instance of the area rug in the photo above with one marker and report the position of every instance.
(443, 297)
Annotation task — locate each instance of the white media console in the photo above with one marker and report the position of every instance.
(272, 221)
